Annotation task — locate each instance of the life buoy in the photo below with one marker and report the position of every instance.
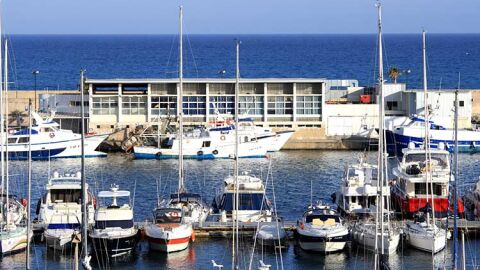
(174, 214)
(159, 154)
(222, 137)
(51, 135)
(215, 152)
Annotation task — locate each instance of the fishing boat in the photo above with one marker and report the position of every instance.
(253, 205)
(114, 233)
(409, 189)
(48, 140)
(472, 199)
(321, 229)
(169, 232)
(59, 210)
(357, 195)
(379, 235)
(440, 136)
(248, 131)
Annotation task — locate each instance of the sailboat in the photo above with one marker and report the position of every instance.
(423, 233)
(13, 237)
(170, 230)
(379, 235)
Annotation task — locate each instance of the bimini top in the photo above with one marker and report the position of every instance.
(65, 181)
(113, 193)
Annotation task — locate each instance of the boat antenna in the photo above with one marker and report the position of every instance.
(86, 258)
(29, 192)
(181, 187)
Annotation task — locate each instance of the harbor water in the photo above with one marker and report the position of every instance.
(294, 172)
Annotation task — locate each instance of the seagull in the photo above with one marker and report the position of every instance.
(218, 266)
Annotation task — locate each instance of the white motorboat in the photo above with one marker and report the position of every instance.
(50, 141)
(59, 210)
(169, 232)
(472, 199)
(114, 233)
(248, 131)
(321, 230)
(253, 204)
(359, 189)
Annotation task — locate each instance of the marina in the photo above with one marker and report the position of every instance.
(189, 172)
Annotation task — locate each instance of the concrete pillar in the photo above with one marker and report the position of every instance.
(207, 101)
(149, 103)
(322, 114)
(119, 112)
(265, 105)
(90, 105)
(294, 105)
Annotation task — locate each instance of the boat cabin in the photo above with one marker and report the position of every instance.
(167, 215)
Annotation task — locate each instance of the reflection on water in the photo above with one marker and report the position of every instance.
(292, 173)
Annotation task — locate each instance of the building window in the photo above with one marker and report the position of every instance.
(133, 105)
(105, 105)
(280, 105)
(461, 103)
(166, 105)
(194, 105)
(74, 103)
(251, 105)
(392, 105)
(309, 105)
(224, 104)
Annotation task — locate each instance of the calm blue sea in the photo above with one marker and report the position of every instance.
(60, 57)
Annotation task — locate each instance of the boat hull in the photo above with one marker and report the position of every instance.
(13, 241)
(409, 206)
(59, 239)
(170, 245)
(426, 243)
(322, 244)
(114, 247)
(69, 148)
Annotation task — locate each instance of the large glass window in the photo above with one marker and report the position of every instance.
(224, 104)
(280, 105)
(309, 104)
(105, 105)
(166, 105)
(133, 105)
(194, 105)
(252, 105)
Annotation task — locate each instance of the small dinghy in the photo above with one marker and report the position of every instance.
(321, 230)
(271, 234)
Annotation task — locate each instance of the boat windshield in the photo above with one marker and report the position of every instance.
(124, 224)
(65, 195)
(248, 201)
(322, 219)
(440, 160)
(168, 215)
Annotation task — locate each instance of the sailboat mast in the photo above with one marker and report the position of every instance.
(29, 184)
(455, 202)
(5, 71)
(84, 182)
(236, 203)
(3, 140)
(181, 187)
(381, 134)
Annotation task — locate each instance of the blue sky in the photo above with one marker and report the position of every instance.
(238, 17)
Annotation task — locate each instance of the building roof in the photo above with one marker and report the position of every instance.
(207, 80)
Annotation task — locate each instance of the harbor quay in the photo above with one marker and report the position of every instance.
(324, 113)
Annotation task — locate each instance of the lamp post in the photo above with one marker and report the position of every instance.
(35, 73)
